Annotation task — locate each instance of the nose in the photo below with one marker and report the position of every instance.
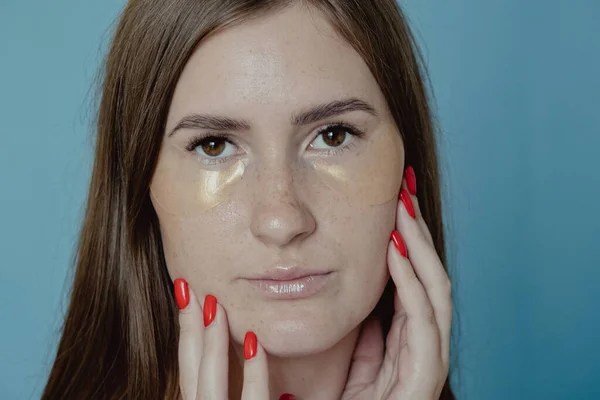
(278, 216)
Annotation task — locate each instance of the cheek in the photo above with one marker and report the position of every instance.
(190, 244)
(362, 235)
(369, 239)
(368, 245)
(358, 238)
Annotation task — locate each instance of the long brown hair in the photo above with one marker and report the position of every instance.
(120, 334)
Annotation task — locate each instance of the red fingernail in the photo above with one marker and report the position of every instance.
(210, 309)
(182, 293)
(411, 180)
(287, 396)
(249, 345)
(399, 243)
(405, 197)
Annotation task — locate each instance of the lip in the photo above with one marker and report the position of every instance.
(290, 283)
(287, 273)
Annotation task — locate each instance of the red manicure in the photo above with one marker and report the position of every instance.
(405, 197)
(287, 396)
(249, 345)
(411, 180)
(182, 293)
(210, 309)
(399, 243)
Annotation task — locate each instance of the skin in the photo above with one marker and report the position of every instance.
(265, 71)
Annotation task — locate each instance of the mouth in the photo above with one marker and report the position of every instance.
(290, 283)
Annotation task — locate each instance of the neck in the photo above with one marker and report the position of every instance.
(315, 376)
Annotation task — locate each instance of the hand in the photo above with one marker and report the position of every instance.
(204, 351)
(415, 363)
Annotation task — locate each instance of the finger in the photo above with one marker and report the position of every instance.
(367, 356)
(397, 323)
(213, 376)
(419, 215)
(395, 346)
(256, 371)
(190, 339)
(429, 270)
(422, 331)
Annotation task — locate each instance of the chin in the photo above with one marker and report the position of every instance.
(295, 330)
(296, 338)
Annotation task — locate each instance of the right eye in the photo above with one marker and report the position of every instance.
(212, 146)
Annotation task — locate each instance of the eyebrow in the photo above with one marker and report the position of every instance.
(313, 114)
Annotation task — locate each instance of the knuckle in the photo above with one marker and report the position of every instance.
(410, 276)
(403, 342)
(448, 287)
(186, 326)
(418, 233)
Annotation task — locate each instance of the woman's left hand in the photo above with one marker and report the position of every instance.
(415, 363)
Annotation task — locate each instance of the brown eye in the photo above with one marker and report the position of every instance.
(334, 136)
(212, 149)
(213, 146)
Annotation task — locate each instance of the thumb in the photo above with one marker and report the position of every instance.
(368, 355)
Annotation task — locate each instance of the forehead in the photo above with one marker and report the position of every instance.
(273, 63)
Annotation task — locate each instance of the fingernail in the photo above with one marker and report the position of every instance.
(405, 197)
(411, 180)
(249, 345)
(399, 243)
(182, 293)
(287, 396)
(210, 309)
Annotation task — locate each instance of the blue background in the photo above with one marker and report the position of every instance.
(518, 97)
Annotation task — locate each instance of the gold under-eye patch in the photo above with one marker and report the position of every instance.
(370, 175)
(183, 187)
(373, 176)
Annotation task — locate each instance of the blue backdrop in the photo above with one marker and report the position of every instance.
(518, 98)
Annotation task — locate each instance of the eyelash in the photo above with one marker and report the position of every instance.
(197, 141)
(352, 130)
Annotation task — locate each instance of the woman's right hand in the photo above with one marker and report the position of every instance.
(204, 351)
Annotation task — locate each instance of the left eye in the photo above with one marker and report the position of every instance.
(212, 147)
(332, 136)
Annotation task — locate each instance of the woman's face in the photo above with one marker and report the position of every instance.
(285, 219)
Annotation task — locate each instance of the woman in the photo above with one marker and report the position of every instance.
(254, 209)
